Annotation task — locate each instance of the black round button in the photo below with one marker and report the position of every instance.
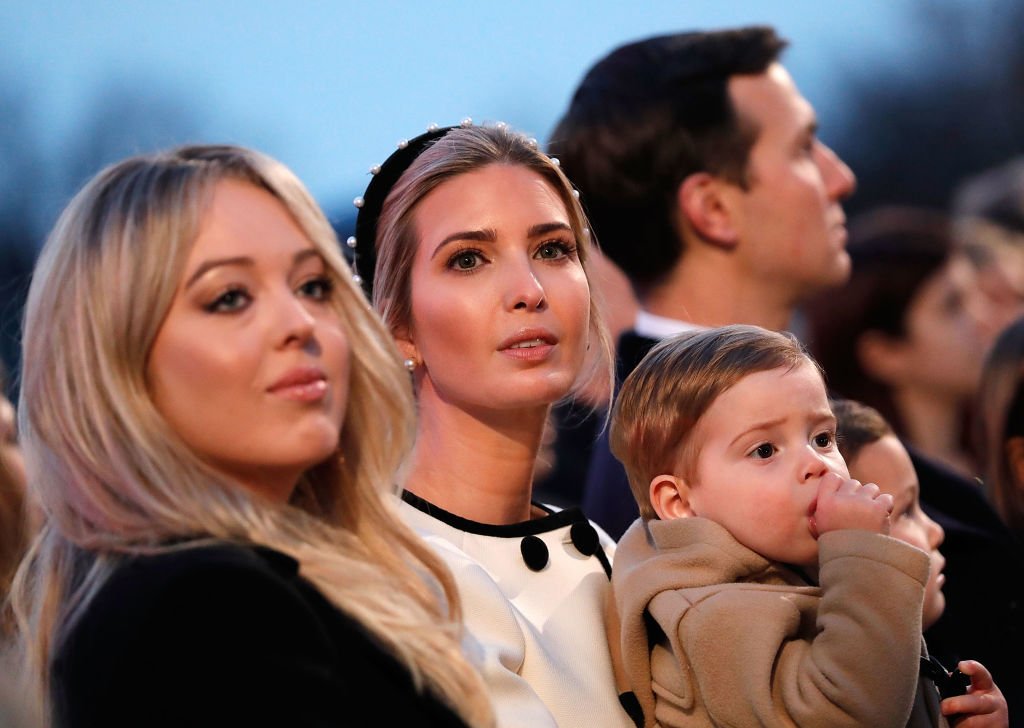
(535, 553)
(584, 538)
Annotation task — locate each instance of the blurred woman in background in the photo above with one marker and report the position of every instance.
(1000, 426)
(899, 336)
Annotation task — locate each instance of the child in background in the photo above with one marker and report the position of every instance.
(874, 453)
(760, 586)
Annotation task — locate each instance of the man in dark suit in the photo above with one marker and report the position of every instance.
(698, 164)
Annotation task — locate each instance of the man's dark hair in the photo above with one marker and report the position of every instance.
(644, 118)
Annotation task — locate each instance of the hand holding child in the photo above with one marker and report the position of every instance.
(847, 503)
(983, 706)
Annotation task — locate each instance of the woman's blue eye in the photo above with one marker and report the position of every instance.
(233, 299)
(318, 289)
(764, 451)
(554, 250)
(465, 260)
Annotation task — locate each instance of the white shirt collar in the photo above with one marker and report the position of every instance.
(659, 327)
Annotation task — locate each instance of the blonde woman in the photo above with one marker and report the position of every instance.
(212, 417)
(481, 275)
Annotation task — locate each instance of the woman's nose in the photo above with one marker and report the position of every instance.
(523, 290)
(295, 322)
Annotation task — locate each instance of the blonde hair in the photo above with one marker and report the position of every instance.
(114, 479)
(663, 399)
(460, 151)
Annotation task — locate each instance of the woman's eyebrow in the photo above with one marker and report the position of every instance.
(483, 236)
(216, 263)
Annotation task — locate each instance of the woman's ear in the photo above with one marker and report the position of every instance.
(670, 497)
(883, 357)
(406, 345)
(702, 201)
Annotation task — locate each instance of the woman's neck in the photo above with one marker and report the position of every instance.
(477, 465)
(934, 425)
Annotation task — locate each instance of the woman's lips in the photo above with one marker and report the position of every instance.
(303, 384)
(529, 345)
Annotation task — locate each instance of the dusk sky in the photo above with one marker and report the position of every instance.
(330, 87)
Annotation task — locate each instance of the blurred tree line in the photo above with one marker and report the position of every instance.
(125, 117)
(913, 126)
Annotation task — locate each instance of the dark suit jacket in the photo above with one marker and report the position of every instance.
(607, 498)
(226, 635)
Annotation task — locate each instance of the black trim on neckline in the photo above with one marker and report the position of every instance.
(554, 520)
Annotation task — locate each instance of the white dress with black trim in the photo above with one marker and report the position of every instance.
(533, 597)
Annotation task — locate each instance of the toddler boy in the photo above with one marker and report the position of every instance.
(760, 585)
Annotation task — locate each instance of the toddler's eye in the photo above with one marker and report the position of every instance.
(824, 439)
(764, 451)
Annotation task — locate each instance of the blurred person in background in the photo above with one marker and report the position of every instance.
(698, 162)
(988, 210)
(14, 526)
(1000, 426)
(899, 336)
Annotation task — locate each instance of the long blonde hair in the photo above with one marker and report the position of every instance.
(114, 479)
(463, 150)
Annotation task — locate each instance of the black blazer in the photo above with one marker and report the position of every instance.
(607, 498)
(226, 635)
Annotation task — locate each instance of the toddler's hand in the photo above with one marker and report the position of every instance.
(983, 706)
(846, 503)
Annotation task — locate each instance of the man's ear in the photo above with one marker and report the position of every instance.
(702, 200)
(670, 497)
(882, 356)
